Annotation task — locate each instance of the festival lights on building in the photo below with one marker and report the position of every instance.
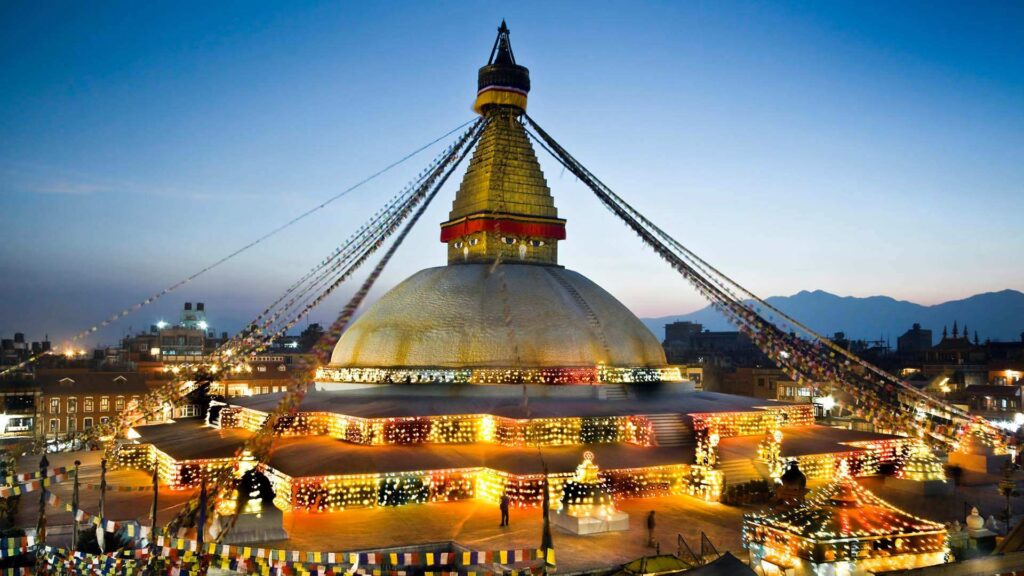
(450, 429)
(594, 375)
(842, 528)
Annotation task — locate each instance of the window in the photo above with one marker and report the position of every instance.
(189, 410)
(88, 407)
(54, 405)
(104, 419)
(72, 424)
(261, 368)
(54, 426)
(104, 404)
(72, 405)
(87, 422)
(119, 403)
(167, 340)
(282, 368)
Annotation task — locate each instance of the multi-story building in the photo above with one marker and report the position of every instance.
(20, 402)
(914, 343)
(189, 340)
(261, 375)
(76, 400)
(688, 343)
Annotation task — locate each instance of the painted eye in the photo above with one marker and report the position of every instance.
(508, 240)
(458, 244)
(536, 243)
(474, 241)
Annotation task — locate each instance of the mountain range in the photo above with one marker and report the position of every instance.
(994, 315)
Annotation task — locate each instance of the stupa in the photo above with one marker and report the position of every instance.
(588, 506)
(842, 528)
(477, 378)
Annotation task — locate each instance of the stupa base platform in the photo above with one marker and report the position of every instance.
(616, 521)
(921, 487)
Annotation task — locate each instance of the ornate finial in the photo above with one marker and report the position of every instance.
(955, 330)
(502, 82)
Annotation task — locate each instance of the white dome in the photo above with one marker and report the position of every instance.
(455, 317)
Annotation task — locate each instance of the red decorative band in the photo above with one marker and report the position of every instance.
(511, 227)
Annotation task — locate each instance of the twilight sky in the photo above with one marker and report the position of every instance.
(860, 148)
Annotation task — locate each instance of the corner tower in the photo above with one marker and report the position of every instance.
(503, 207)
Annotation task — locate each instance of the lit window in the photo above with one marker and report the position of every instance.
(282, 368)
(87, 422)
(119, 403)
(54, 425)
(72, 405)
(104, 404)
(88, 407)
(72, 425)
(261, 368)
(54, 406)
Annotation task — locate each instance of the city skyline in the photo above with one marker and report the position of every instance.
(126, 170)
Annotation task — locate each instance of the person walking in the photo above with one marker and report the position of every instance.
(650, 529)
(504, 509)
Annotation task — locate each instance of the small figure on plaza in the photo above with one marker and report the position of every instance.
(650, 529)
(503, 504)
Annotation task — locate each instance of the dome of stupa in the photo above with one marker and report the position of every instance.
(455, 317)
(525, 313)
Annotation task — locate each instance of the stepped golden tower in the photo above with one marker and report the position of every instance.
(504, 207)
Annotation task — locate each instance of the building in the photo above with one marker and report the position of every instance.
(16, 350)
(76, 400)
(689, 343)
(20, 403)
(474, 381)
(262, 375)
(189, 340)
(914, 343)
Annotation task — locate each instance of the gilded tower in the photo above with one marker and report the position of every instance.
(504, 206)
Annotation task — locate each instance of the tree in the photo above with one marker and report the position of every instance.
(310, 336)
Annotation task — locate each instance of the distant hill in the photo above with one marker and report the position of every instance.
(995, 315)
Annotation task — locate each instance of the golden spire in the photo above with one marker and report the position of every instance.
(504, 206)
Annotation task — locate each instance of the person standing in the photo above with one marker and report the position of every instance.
(650, 529)
(504, 509)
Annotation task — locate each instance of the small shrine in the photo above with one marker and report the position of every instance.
(256, 517)
(587, 504)
(842, 528)
(921, 474)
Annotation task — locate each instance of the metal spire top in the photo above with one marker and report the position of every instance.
(501, 52)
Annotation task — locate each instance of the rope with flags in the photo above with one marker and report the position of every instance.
(806, 356)
(156, 296)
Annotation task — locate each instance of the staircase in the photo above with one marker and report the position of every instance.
(738, 471)
(615, 392)
(670, 429)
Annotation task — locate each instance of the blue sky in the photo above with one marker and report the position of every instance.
(860, 148)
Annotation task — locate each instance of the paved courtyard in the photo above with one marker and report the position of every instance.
(475, 524)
